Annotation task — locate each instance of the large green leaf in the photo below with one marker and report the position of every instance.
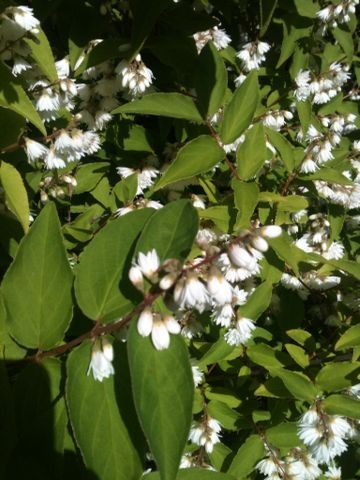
(298, 384)
(342, 405)
(13, 96)
(15, 193)
(163, 392)
(283, 146)
(102, 288)
(42, 54)
(96, 420)
(246, 198)
(283, 435)
(252, 153)
(171, 231)
(338, 376)
(197, 156)
(211, 80)
(240, 110)
(173, 105)
(248, 455)
(349, 339)
(11, 126)
(37, 286)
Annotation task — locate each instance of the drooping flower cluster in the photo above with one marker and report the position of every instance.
(252, 55)
(324, 435)
(216, 35)
(323, 87)
(334, 14)
(205, 433)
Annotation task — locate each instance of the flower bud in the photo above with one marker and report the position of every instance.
(136, 278)
(259, 243)
(167, 281)
(145, 322)
(271, 231)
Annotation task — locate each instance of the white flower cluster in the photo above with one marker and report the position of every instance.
(252, 55)
(102, 356)
(205, 433)
(316, 240)
(204, 285)
(57, 186)
(346, 195)
(216, 35)
(276, 119)
(319, 149)
(135, 76)
(298, 464)
(138, 205)
(321, 88)
(324, 435)
(334, 14)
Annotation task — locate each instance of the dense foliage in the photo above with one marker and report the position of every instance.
(179, 244)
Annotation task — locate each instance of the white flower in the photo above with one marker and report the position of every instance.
(35, 150)
(271, 231)
(205, 433)
(23, 16)
(158, 326)
(101, 361)
(148, 263)
(219, 288)
(240, 257)
(190, 292)
(252, 54)
(52, 160)
(135, 76)
(217, 35)
(333, 473)
(198, 375)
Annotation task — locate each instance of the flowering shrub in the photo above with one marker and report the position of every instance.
(180, 222)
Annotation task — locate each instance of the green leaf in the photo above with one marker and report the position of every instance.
(175, 241)
(347, 265)
(345, 40)
(298, 384)
(302, 337)
(327, 174)
(16, 198)
(240, 111)
(288, 252)
(248, 455)
(252, 153)
(102, 288)
(283, 146)
(307, 8)
(197, 156)
(298, 354)
(342, 405)
(174, 105)
(89, 175)
(264, 355)
(13, 96)
(219, 350)
(283, 435)
(163, 391)
(193, 474)
(246, 197)
(37, 286)
(42, 54)
(338, 376)
(220, 215)
(126, 189)
(349, 339)
(304, 112)
(210, 80)
(228, 417)
(258, 301)
(96, 420)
